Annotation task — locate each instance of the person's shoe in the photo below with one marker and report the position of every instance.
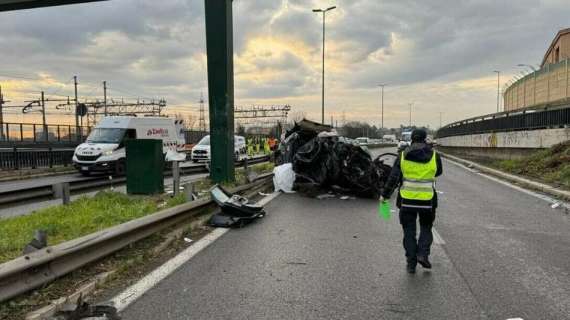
(411, 268)
(424, 261)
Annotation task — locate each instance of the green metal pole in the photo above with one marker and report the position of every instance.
(219, 46)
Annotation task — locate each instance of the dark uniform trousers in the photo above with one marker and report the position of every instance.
(420, 247)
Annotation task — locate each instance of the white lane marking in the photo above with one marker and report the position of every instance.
(135, 291)
(437, 239)
(131, 294)
(269, 198)
(515, 187)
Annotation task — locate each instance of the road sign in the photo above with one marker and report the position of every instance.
(81, 110)
(8, 5)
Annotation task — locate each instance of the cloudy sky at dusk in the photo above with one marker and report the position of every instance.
(438, 54)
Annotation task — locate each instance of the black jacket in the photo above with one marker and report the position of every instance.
(417, 152)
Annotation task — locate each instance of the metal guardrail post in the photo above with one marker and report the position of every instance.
(62, 191)
(176, 177)
(189, 192)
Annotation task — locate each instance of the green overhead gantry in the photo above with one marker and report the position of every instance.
(219, 45)
(9, 5)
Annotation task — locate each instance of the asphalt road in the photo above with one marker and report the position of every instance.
(504, 254)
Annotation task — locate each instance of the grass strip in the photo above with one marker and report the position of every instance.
(551, 165)
(81, 217)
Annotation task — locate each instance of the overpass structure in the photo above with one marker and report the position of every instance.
(507, 135)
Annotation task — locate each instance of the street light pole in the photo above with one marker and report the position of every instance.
(324, 11)
(498, 88)
(382, 86)
(411, 104)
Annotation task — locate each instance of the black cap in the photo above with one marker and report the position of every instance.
(419, 135)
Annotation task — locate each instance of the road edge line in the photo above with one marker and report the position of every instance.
(137, 290)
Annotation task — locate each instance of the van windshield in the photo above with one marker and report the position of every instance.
(106, 135)
(205, 141)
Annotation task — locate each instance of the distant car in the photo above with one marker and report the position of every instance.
(202, 150)
(402, 145)
(389, 138)
(363, 141)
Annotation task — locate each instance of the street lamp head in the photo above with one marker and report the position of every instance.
(497, 71)
(331, 8)
(318, 10)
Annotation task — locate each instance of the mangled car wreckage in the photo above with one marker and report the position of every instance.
(323, 161)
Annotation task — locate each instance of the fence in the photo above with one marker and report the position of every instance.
(549, 85)
(525, 120)
(26, 133)
(193, 137)
(20, 158)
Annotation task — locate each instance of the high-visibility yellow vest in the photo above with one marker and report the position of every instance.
(419, 179)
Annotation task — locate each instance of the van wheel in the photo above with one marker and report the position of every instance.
(120, 168)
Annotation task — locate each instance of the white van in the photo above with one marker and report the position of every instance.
(201, 151)
(104, 150)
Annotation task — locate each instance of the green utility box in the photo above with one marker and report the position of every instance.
(145, 166)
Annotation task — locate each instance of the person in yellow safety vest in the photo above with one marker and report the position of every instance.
(266, 148)
(257, 145)
(249, 147)
(415, 171)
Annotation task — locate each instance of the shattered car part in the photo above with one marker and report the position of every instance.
(83, 310)
(236, 210)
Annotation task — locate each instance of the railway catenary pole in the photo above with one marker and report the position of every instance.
(44, 123)
(76, 106)
(1, 114)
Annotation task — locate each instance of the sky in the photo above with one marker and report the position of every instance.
(438, 55)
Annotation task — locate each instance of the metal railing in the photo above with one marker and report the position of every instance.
(32, 134)
(510, 121)
(24, 158)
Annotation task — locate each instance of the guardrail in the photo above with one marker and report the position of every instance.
(41, 267)
(532, 119)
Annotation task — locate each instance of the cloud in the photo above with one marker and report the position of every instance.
(440, 54)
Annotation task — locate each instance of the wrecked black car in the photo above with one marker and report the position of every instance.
(323, 161)
(237, 211)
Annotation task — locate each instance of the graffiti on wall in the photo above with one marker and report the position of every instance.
(516, 139)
